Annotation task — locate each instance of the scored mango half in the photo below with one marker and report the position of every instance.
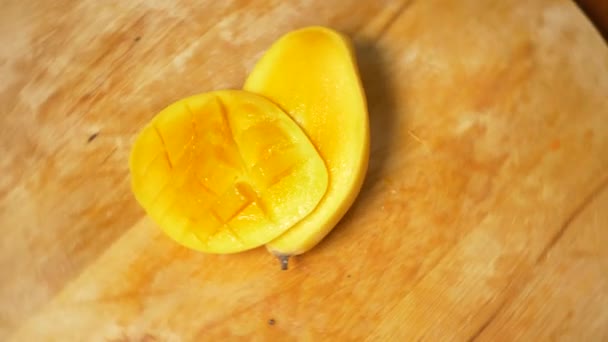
(312, 74)
(226, 171)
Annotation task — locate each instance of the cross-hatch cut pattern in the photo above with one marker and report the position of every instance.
(216, 176)
(233, 202)
(278, 165)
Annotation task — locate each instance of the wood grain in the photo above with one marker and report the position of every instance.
(482, 216)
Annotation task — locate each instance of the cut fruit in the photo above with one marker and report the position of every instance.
(311, 74)
(225, 171)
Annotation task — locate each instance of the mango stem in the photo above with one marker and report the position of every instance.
(284, 260)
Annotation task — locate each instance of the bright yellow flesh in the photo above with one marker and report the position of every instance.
(225, 171)
(311, 74)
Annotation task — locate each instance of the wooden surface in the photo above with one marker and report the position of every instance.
(597, 11)
(484, 213)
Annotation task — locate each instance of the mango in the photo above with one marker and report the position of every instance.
(226, 171)
(312, 74)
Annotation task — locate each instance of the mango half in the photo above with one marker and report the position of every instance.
(312, 75)
(225, 171)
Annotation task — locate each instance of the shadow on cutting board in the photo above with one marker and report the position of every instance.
(380, 92)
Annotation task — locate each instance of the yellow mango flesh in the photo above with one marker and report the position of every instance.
(225, 171)
(311, 74)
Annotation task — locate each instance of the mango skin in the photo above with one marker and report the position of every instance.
(225, 171)
(311, 73)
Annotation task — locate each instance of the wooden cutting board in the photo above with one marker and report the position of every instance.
(484, 214)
